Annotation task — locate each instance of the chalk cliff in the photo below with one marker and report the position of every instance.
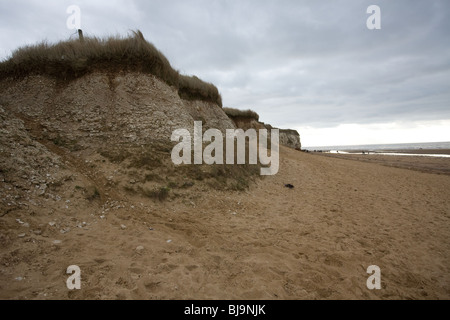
(246, 119)
(105, 127)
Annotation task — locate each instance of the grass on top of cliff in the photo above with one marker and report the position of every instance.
(236, 113)
(68, 60)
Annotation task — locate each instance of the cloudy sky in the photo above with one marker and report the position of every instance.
(310, 65)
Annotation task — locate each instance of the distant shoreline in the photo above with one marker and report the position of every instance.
(418, 151)
(405, 152)
(444, 153)
(430, 161)
(411, 148)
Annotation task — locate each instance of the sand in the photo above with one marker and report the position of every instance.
(314, 241)
(438, 165)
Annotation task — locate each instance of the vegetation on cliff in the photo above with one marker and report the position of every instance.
(236, 113)
(68, 60)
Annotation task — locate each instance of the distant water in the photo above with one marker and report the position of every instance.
(380, 147)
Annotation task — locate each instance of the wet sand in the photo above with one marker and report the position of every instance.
(421, 151)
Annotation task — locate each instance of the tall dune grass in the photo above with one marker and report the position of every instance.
(68, 60)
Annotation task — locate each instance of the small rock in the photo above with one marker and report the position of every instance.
(139, 248)
(57, 241)
(64, 230)
(123, 227)
(51, 223)
(151, 229)
(19, 278)
(169, 241)
(21, 235)
(234, 213)
(135, 276)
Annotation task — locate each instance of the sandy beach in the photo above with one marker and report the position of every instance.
(421, 162)
(314, 241)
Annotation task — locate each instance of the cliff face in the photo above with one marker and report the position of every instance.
(104, 132)
(288, 137)
(130, 108)
(246, 123)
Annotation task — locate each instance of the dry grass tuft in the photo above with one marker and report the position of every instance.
(194, 88)
(236, 113)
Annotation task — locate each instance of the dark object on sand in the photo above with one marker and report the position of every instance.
(290, 186)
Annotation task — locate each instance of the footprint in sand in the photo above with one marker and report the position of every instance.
(332, 261)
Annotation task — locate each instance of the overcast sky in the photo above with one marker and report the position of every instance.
(311, 65)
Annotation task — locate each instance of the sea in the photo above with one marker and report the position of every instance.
(387, 149)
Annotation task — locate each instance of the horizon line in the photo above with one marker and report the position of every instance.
(374, 144)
